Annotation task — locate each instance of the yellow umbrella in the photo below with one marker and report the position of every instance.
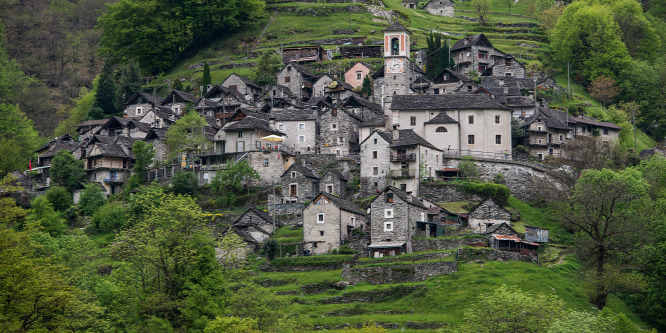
(273, 137)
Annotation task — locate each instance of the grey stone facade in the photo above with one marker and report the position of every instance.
(338, 131)
(319, 87)
(393, 216)
(334, 182)
(419, 245)
(375, 157)
(486, 214)
(328, 221)
(298, 79)
(440, 7)
(508, 66)
(243, 85)
(299, 184)
(474, 53)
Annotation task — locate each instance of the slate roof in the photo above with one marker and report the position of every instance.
(593, 122)
(285, 91)
(379, 121)
(396, 26)
(156, 133)
(246, 80)
(471, 40)
(458, 76)
(486, 199)
(305, 171)
(149, 97)
(326, 100)
(292, 115)
(496, 226)
(252, 123)
(407, 138)
(301, 69)
(97, 122)
(183, 95)
(445, 102)
(263, 215)
(364, 103)
(406, 197)
(335, 173)
(343, 204)
(64, 142)
(344, 84)
(442, 118)
(113, 150)
(378, 73)
(551, 118)
(519, 101)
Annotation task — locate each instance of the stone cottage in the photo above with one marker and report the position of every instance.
(338, 130)
(474, 53)
(333, 182)
(393, 219)
(299, 184)
(319, 86)
(328, 221)
(138, 104)
(487, 214)
(243, 85)
(298, 79)
(299, 126)
(440, 8)
(254, 227)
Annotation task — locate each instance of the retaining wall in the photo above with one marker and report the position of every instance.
(489, 254)
(419, 245)
(397, 273)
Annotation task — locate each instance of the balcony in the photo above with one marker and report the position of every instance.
(545, 142)
(403, 157)
(118, 178)
(402, 174)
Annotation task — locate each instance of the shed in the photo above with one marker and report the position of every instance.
(388, 248)
(508, 243)
(536, 234)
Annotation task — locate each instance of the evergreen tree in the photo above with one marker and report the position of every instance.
(129, 82)
(434, 42)
(206, 79)
(67, 171)
(177, 85)
(18, 139)
(366, 89)
(106, 90)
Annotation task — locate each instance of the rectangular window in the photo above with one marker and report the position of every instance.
(320, 218)
(374, 154)
(605, 131)
(301, 126)
(353, 221)
(388, 213)
(287, 79)
(375, 141)
(497, 119)
(329, 188)
(358, 75)
(470, 139)
(507, 74)
(389, 197)
(139, 111)
(508, 63)
(375, 171)
(301, 138)
(266, 162)
(341, 140)
(388, 226)
(435, 91)
(498, 139)
(293, 174)
(321, 233)
(240, 134)
(281, 127)
(470, 120)
(412, 121)
(334, 127)
(561, 137)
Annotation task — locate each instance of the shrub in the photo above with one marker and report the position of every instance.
(110, 217)
(468, 168)
(184, 182)
(346, 249)
(270, 248)
(59, 197)
(498, 192)
(91, 199)
(323, 260)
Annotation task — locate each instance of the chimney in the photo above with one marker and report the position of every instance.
(271, 123)
(396, 132)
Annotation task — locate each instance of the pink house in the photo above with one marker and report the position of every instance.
(357, 73)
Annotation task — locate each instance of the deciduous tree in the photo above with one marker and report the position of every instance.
(18, 139)
(67, 171)
(91, 199)
(186, 134)
(269, 64)
(603, 88)
(481, 7)
(230, 182)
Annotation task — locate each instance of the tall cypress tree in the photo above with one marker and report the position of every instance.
(105, 97)
(366, 89)
(206, 79)
(434, 41)
(129, 82)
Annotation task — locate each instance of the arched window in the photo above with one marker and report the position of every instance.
(395, 46)
(441, 129)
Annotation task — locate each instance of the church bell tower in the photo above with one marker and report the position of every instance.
(397, 69)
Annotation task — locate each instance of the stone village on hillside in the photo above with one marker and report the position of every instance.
(409, 132)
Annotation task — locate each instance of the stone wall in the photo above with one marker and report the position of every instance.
(321, 162)
(489, 254)
(445, 244)
(519, 177)
(440, 7)
(380, 12)
(446, 192)
(398, 273)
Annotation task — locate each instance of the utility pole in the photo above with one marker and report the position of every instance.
(633, 112)
(568, 83)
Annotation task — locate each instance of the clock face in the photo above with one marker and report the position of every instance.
(394, 65)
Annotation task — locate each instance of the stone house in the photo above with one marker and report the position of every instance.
(474, 53)
(483, 125)
(357, 73)
(89, 128)
(278, 91)
(338, 90)
(245, 86)
(131, 127)
(109, 164)
(254, 227)
(447, 82)
(300, 184)
(298, 79)
(362, 108)
(587, 126)
(157, 137)
(546, 132)
(500, 229)
(411, 4)
(440, 7)
(338, 130)
(179, 102)
(300, 128)
(45, 155)
(333, 182)
(160, 117)
(399, 158)
(486, 214)
(220, 102)
(246, 135)
(328, 221)
(140, 103)
(393, 218)
(509, 66)
(369, 125)
(319, 86)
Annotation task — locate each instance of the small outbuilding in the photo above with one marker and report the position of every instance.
(536, 234)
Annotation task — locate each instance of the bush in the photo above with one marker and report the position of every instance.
(184, 182)
(323, 260)
(270, 248)
(59, 197)
(498, 192)
(110, 217)
(91, 199)
(346, 249)
(468, 168)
